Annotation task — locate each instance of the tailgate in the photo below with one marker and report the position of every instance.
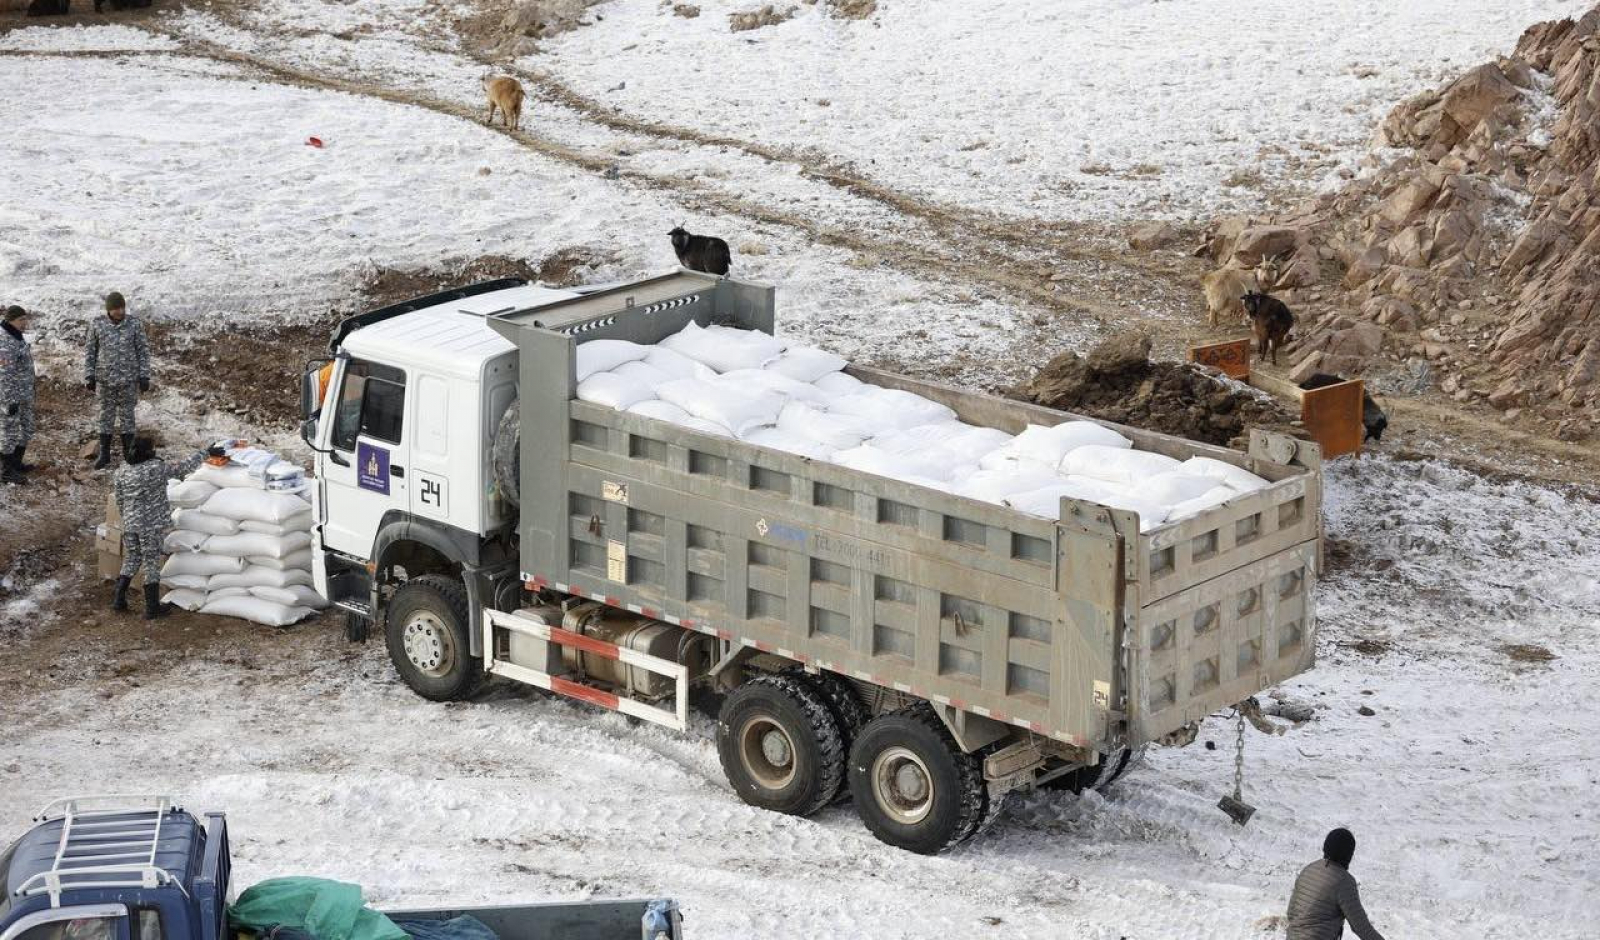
(1221, 641)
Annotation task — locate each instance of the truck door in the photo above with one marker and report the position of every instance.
(365, 474)
(430, 434)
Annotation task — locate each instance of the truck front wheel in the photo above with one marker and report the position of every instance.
(780, 745)
(426, 628)
(913, 787)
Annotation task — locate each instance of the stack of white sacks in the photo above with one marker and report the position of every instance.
(758, 388)
(240, 545)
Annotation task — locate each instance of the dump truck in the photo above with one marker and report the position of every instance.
(144, 868)
(919, 652)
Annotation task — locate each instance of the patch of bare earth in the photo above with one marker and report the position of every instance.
(512, 28)
(760, 18)
(566, 267)
(1368, 646)
(853, 9)
(1527, 653)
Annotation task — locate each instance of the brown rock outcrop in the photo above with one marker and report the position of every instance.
(1492, 207)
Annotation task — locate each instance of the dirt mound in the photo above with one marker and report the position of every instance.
(566, 267)
(1475, 252)
(760, 18)
(514, 28)
(853, 9)
(1118, 382)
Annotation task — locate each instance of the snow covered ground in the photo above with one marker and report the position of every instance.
(111, 37)
(194, 190)
(1086, 110)
(1470, 789)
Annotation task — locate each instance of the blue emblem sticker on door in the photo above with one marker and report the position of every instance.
(372, 468)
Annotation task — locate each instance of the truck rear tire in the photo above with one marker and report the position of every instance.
(845, 706)
(913, 786)
(426, 629)
(780, 746)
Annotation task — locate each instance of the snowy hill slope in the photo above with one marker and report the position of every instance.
(1087, 110)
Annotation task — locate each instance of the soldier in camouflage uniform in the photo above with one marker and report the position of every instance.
(16, 396)
(116, 367)
(141, 490)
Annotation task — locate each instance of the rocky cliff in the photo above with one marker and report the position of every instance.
(1471, 240)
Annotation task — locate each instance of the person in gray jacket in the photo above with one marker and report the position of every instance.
(116, 367)
(1325, 897)
(16, 396)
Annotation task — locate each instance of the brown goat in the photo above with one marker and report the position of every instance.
(1223, 288)
(505, 93)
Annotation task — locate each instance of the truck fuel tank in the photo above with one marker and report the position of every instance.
(631, 632)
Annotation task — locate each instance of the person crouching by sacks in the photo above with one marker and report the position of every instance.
(116, 367)
(141, 491)
(16, 396)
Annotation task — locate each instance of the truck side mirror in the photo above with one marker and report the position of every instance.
(308, 430)
(310, 397)
(313, 386)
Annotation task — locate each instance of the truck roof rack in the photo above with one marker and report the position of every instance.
(353, 323)
(600, 308)
(112, 846)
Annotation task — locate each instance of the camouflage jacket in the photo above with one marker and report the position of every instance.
(16, 369)
(142, 492)
(118, 353)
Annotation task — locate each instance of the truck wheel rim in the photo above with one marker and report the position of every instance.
(902, 785)
(767, 753)
(429, 644)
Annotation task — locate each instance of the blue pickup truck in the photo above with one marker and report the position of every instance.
(121, 868)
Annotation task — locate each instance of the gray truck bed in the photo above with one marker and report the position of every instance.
(1080, 629)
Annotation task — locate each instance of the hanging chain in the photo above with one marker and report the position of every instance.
(1238, 758)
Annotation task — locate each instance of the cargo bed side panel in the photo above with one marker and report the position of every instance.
(941, 597)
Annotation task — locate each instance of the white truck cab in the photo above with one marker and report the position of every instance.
(402, 420)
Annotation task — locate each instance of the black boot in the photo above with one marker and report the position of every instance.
(127, 447)
(153, 607)
(104, 460)
(8, 469)
(24, 467)
(119, 600)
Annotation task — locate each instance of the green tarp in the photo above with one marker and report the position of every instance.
(328, 910)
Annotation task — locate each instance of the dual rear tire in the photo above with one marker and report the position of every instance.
(913, 786)
(780, 745)
(793, 743)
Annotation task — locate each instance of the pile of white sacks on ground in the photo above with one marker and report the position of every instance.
(758, 388)
(240, 544)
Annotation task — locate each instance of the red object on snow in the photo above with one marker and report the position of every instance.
(315, 142)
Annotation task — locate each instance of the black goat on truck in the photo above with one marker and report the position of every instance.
(701, 252)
